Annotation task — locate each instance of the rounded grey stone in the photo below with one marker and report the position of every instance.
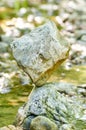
(42, 123)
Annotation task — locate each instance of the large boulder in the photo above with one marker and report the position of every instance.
(58, 103)
(40, 52)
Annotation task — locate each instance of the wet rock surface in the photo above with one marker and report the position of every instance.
(40, 52)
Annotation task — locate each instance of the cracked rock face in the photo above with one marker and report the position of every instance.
(40, 52)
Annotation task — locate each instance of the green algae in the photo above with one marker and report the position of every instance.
(10, 102)
(75, 75)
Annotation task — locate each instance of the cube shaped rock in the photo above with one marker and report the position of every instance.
(40, 52)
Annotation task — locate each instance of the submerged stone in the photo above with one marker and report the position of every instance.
(40, 52)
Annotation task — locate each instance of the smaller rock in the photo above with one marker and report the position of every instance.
(83, 38)
(42, 123)
(11, 127)
(27, 122)
(80, 33)
(4, 128)
(3, 47)
(4, 83)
